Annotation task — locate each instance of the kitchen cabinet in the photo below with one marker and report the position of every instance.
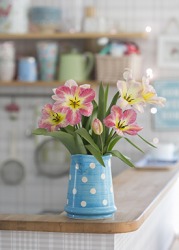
(87, 38)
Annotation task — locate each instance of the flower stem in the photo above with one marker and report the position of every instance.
(101, 144)
(111, 134)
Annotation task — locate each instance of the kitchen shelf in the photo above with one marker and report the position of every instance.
(88, 37)
(30, 84)
(79, 35)
(44, 84)
(28, 89)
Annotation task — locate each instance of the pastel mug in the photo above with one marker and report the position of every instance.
(47, 53)
(27, 69)
(7, 70)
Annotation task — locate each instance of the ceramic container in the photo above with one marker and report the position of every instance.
(75, 66)
(7, 70)
(7, 61)
(7, 51)
(47, 53)
(90, 188)
(44, 18)
(5, 12)
(27, 69)
(14, 16)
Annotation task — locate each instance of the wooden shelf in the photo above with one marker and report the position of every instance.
(30, 84)
(80, 35)
(44, 84)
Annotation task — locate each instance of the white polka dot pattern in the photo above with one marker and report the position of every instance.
(83, 203)
(103, 176)
(84, 179)
(105, 202)
(74, 191)
(93, 191)
(92, 165)
(111, 189)
(77, 166)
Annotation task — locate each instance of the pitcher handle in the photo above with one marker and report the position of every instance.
(90, 63)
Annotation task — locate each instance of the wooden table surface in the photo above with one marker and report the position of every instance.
(137, 193)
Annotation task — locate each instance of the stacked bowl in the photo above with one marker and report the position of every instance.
(7, 61)
(44, 19)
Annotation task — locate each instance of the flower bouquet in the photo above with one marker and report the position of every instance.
(85, 127)
(92, 128)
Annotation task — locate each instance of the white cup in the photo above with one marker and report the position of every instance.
(7, 51)
(163, 152)
(7, 71)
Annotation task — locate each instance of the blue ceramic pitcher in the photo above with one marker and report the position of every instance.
(90, 188)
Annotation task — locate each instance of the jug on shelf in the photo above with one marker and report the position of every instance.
(75, 66)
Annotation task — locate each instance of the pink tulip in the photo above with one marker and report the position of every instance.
(122, 122)
(51, 120)
(74, 100)
(97, 126)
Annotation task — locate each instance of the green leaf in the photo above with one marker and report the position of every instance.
(146, 141)
(113, 142)
(39, 131)
(69, 129)
(106, 96)
(66, 139)
(80, 145)
(134, 145)
(123, 158)
(113, 102)
(84, 134)
(101, 103)
(96, 154)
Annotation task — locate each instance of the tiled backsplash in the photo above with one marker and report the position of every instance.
(36, 193)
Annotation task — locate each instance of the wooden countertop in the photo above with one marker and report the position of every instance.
(137, 193)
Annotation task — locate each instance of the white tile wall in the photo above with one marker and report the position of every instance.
(129, 15)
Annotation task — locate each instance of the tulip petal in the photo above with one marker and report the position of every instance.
(130, 116)
(70, 83)
(87, 109)
(87, 94)
(109, 121)
(116, 111)
(73, 117)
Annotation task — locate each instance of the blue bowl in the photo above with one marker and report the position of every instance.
(45, 15)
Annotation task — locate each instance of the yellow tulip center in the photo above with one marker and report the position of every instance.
(74, 103)
(56, 118)
(121, 125)
(128, 98)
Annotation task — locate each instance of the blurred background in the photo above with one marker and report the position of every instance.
(44, 43)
